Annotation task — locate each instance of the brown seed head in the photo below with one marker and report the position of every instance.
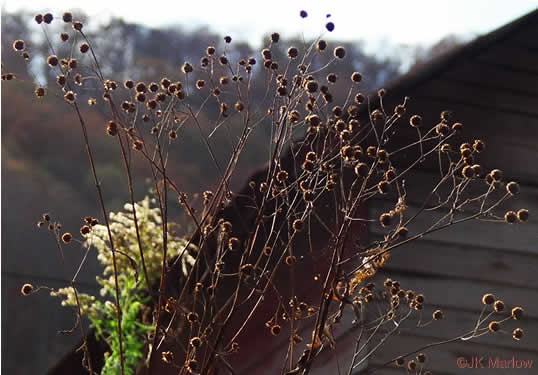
(517, 313)
(437, 315)
(488, 299)
(27, 289)
(339, 52)
(494, 326)
(66, 237)
(510, 217)
(523, 215)
(512, 187)
(517, 334)
(47, 18)
(498, 306)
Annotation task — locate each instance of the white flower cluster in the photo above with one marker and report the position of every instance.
(125, 240)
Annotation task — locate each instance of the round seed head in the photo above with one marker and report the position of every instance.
(66, 237)
(339, 52)
(494, 326)
(415, 121)
(437, 315)
(27, 289)
(510, 217)
(512, 188)
(498, 306)
(329, 26)
(47, 18)
(67, 17)
(298, 225)
(488, 299)
(517, 313)
(523, 215)
(292, 52)
(517, 334)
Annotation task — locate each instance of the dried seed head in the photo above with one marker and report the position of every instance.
(517, 313)
(399, 110)
(523, 215)
(112, 128)
(437, 315)
(47, 18)
(415, 121)
(172, 134)
(498, 306)
(402, 232)
(67, 17)
(385, 220)
(311, 86)
(52, 60)
(77, 25)
(517, 334)
(421, 357)
(322, 45)
(512, 188)
(356, 77)
(141, 97)
(141, 87)
(383, 187)
(442, 130)
(239, 106)
(329, 26)
(234, 244)
(192, 317)
(275, 37)
(411, 365)
(467, 171)
(332, 77)
(27, 289)
(281, 176)
(223, 60)
(400, 361)
(339, 52)
(195, 342)
(84, 47)
(70, 97)
(361, 170)
(267, 251)
(275, 330)
(187, 68)
(479, 145)
(138, 145)
(292, 52)
(290, 260)
(66, 237)
(303, 14)
(488, 299)
(494, 326)
(38, 18)
(85, 229)
(359, 98)
(18, 45)
(298, 225)
(496, 174)
(510, 217)
(458, 126)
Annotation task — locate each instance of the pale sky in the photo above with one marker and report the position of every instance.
(408, 22)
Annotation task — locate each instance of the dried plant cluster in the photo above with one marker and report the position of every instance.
(296, 221)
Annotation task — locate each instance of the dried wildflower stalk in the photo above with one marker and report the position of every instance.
(329, 155)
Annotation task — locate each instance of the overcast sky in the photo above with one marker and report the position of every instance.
(397, 21)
